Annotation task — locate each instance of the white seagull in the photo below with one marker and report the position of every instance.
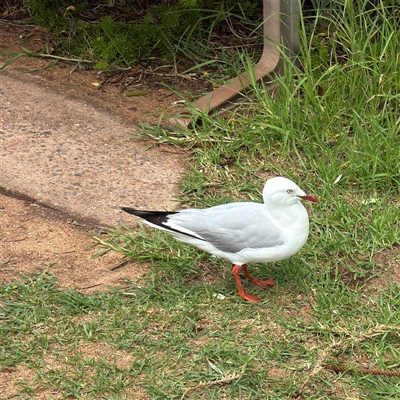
(242, 232)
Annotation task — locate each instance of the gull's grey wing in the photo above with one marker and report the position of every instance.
(229, 227)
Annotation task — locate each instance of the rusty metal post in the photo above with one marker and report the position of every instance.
(280, 26)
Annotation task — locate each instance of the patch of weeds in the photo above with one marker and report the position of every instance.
(122, 34)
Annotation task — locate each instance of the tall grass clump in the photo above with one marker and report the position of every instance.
(337, 113)
(335, 110)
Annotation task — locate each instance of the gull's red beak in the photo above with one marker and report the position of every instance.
(309, 197)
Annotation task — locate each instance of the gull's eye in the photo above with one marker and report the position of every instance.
(289, 191)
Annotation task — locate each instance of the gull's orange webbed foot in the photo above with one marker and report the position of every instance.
(258, 282)
(249, 297)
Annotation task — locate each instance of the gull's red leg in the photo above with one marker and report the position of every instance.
(242, 293)
(262, 284)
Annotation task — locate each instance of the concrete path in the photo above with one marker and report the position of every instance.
(68, 155)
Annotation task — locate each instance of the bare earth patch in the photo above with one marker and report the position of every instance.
(33, 237)
(389, 268)
(9, 378)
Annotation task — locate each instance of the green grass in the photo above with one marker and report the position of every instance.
(177, 334)
(168, 335)
(121, 34)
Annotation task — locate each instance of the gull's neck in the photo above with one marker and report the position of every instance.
(288, 215)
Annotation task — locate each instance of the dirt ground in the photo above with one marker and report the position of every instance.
(31, 236)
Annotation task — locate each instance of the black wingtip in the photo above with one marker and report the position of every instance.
(143, 213)
(155, 217)
(130, 210)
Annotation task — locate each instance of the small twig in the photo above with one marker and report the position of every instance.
(90, 287)
(58, 57)
(317, 368)
(5, 22)
(175, 75)
(15, 240)
(120, 265)
(28, 53)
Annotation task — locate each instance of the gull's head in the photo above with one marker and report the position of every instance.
(282, 191)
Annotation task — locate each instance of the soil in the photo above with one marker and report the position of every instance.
(32, 236)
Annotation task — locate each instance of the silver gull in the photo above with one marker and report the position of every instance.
(242, 232)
